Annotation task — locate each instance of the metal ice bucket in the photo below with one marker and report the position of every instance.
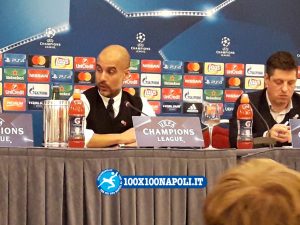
(56, 123)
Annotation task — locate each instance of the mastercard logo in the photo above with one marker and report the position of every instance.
(84, 76)
(38, 60)
(193, 66)
(234, 81)
(130, 91)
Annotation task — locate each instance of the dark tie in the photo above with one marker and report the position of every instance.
(110, 108)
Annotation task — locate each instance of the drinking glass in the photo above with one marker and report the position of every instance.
(210, 117)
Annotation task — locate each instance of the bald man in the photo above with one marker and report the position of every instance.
(109, 121)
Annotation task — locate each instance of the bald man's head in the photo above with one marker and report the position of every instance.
(117, 54)
(112, 69)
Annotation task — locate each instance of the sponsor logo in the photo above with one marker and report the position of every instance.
(298, 71)
(172, 66)
(156, 106)
(14, 89)
(83, 88)
(0, 92)
(62, 75)
(172, 94)
(14, 74)
(234, 82)
(140, 46)
(134, 65)
(150, 79)
(225, 48)
(84, 77)
(211, 68)
(38, 75)
(193, 81)
(14, 104)
(192, 108)
(213, 95)
(62, 62)
(228, 107)
(0, 74)
(235, 69)
(232, 95)
(84, 63)
(255, 70)
(38, 90)
(193, 67)
(254, 83)
(35, 103)
(39, 61)
(12, 59)
(151, 93)
(192, 95)
(1, 59)
(171, 79)
(65, 90)
(132, 80)
(132, 91)
(212, 82)
(150, 66)
(171, 107)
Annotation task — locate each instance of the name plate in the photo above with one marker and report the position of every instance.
(295, 129)
(16, 130)
(168, 131)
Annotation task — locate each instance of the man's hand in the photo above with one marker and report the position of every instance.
(280, 133)
(128, 136)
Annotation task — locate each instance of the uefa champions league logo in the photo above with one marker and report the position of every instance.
(140, 37)
(140, 46)
(50, 32)
(225, 43)
(109, 181)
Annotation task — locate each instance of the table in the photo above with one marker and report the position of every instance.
(58, 187)
(285, 155)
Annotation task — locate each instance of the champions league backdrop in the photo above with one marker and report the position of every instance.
(183, 52)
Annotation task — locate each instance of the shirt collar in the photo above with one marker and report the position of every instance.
(285, 111)
(116, 98)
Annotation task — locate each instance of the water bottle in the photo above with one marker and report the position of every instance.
(244, 123)
(76, 121)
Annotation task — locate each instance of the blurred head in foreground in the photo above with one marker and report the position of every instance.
(258, 192)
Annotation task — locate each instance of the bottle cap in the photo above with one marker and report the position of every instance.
(76, 94)
(245, 99)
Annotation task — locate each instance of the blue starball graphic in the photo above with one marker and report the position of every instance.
(109, 181)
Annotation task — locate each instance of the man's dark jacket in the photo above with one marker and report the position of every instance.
(258, 99)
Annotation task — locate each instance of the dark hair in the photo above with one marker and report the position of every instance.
(280, 60)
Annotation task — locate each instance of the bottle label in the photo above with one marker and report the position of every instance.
(76, 126)
(244, 129)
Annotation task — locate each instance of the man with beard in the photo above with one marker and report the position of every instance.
(109, 121)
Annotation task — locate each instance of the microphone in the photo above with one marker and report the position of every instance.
(129, 105)
(262, 140)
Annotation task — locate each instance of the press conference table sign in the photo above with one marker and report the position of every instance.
(16, 130)
(168, 131)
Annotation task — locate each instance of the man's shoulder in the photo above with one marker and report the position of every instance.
(90, 91)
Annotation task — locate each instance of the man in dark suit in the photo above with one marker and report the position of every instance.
(277, 103)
